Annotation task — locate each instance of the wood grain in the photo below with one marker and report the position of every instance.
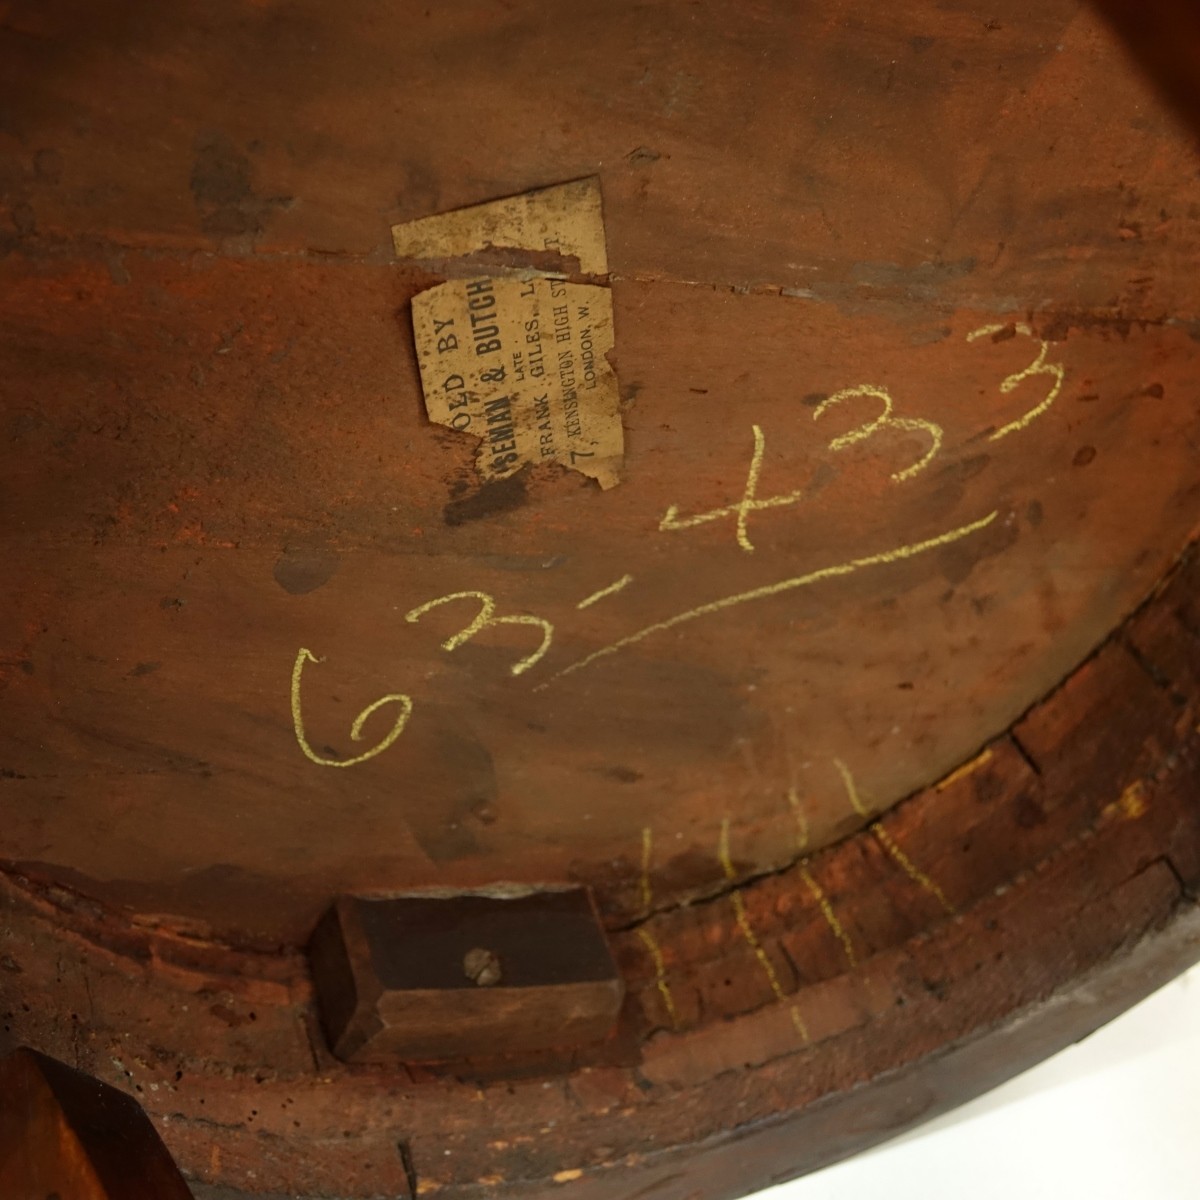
(907, 332)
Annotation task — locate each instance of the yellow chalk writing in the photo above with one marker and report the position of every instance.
(831, 918)
(968, 768)
(485, 617)
(910, 868)
(647, 850)
(884, 421)
(405, 703)
(801, 819)
(814, 888)
(612, 588)
(1039, 366)
(743, 922)
(899, 554)
(743, 508)
(798, 1022)
(648, 939)
(660, 973)
(890, 844)
(851, 789)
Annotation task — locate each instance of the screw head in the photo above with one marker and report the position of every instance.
(482, 967)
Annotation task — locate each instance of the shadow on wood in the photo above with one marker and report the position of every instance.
(1164, 37)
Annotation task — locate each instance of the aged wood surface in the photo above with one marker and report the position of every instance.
(929, 956)
(216, 453)
(64, 1134)
(907, 328)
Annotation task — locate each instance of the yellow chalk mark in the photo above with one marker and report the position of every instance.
(647, 846)
(660, 974)
(1039, 366)
(813, 886)
(831, 918)
(801, 819)
(900, 554)
(798, 1022)
(889, 843)
(624, 581)
(743, 508)
(568, 1176)
(1131, 804)
(884, 421)
(485, 617)
(743, 921)
(851, 789)
(911, 869)
(968, 768)
(648, 939)
(405, 703)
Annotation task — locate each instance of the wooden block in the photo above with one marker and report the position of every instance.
(437, 977)
(63, 1133)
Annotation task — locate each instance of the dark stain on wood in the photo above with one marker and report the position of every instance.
(301, 569)
(221, 184)
(488, 500)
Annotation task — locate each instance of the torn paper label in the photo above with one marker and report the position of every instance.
(517, 359)
(520, 364)
(565, 219)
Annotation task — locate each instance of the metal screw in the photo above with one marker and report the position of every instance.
(482, 967)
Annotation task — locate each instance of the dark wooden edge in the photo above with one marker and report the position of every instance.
(976, 919)
(347, 1013)
(104, 1128)
(1164, 37)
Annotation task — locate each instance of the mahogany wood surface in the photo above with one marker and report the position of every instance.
(216, 451)
(859, 782)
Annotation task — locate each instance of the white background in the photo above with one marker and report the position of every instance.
(1116, 1117)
